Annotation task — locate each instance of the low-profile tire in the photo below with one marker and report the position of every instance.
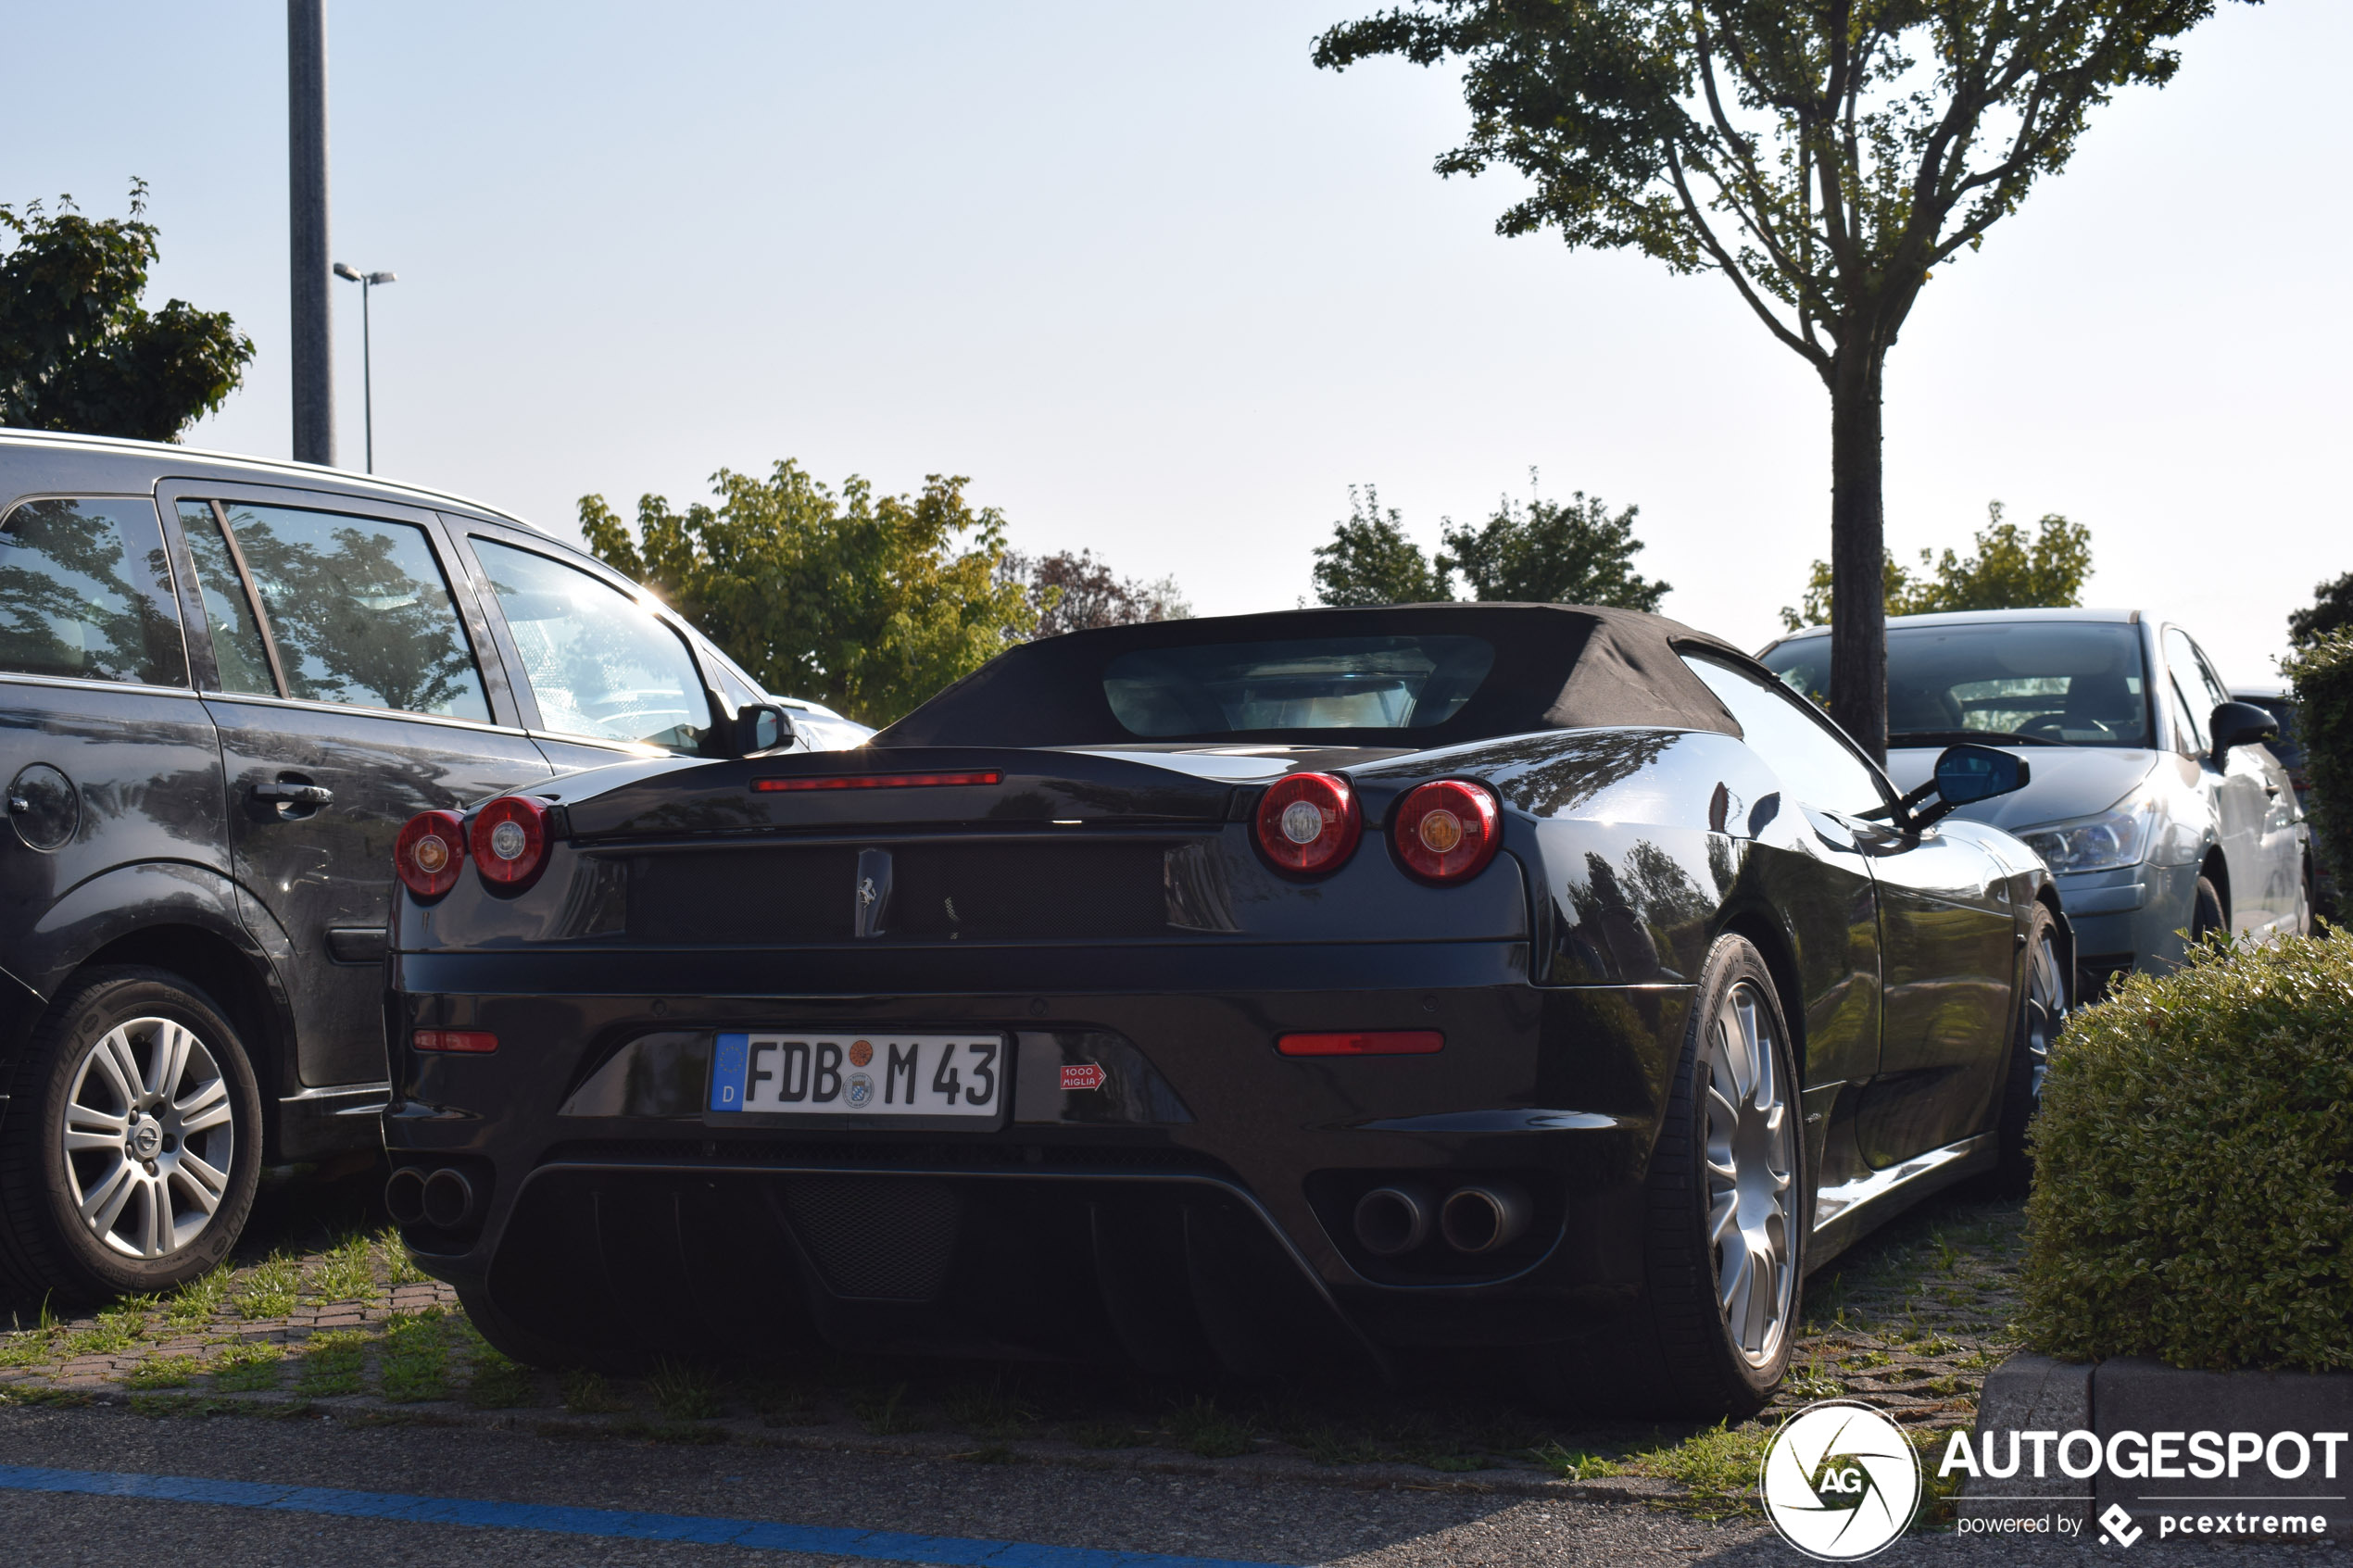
(132, 1142)
(1726, 1205)
(2042, 1012)
(2206, 912)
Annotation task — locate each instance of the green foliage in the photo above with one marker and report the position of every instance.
(868, 603)
(1370, 561)
(332, 1362)
(246, 1369)
(1553, 552)
(1077, 592)
(2194, 1166)
(416, 1357)
(2321, 672)
(2331, 610)
(79, 352)
(1548, 552)
(2010, 570)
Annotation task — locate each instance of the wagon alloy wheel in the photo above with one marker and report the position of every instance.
(2044, 996)
(2046, 1010)
(149, 1137)
(132, 1144)
(1751, 1162)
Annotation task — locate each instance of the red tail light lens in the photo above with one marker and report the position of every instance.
(477, 1042)
(1446, 831)
(1373, 1042)
(510, 839)
(1309, 823)
(426, 856)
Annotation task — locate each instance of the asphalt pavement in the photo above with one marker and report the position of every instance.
(1009, 1516)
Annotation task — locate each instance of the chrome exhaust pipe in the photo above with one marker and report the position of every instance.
(405, 1195)
(1483, 1216)
(1393, 1218)
(448, 1198)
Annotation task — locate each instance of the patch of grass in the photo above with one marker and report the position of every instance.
(1716, 1467)
(1575, 1464)
(416, 1357)
(163, 1372)
(1330, 1445)
(499, 1383)
(115, 1330)
(29, 1346)
(400, 1268)
(986, 1411)
(587, 1393)
(269, 1288)
(333, 1363)
(780, 1401)
(1199, 1426)
(347, 1271)
(683, 1393)
(198, 1302)
(247, 1369)
(885, 1411)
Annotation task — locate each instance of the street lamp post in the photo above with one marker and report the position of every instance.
(366, 281)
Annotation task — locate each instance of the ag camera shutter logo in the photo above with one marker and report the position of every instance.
(1839, 1481)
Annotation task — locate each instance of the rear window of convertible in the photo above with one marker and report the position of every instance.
(1394, 683)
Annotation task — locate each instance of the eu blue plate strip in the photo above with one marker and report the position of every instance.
(881, 1546)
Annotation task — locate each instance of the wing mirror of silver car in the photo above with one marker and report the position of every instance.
(1964, 775)
(762, 726)
(2241, 723)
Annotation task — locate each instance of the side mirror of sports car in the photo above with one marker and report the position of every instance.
(762, 726)
(2240, 724)
(1966, 774)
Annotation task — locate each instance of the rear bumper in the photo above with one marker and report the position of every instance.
(1211, 1172)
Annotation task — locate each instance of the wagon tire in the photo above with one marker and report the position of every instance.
(2041, 1013)
(133, 1143)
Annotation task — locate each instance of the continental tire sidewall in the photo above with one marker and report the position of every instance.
(1697, 1345)
(52, 1243)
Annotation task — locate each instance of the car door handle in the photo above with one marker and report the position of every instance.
(294, 794)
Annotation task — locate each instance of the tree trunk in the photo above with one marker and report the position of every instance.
(1858, 551)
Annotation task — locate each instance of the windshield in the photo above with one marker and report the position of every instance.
(1408, 682)
(2062, 683)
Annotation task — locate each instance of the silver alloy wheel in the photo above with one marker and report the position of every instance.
(150, 1136)
(1752, 1175)
(2046, 1012)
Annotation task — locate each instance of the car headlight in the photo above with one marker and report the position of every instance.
(2118, 837)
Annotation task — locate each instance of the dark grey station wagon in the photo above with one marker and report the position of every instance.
(224, 685)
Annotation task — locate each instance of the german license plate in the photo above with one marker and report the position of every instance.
(789, 1073)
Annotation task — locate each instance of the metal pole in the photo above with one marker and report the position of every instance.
(368, 372)
(314, 365)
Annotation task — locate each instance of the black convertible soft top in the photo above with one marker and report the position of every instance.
(1557, 667)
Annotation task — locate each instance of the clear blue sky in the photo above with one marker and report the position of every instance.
(1161, 289)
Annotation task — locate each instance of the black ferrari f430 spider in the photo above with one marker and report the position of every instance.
(1241, 993)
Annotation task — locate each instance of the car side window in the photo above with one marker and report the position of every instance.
(1795, 737)
(359, 611)
(86, 592)
(601, 664)
(239, 656)
(2197, 691)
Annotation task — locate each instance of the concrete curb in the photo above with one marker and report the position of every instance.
(2131, 1395)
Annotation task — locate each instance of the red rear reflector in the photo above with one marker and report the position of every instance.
(511, 840)
(873, 781)
(1379, 1042)
(427, 854)
(1308, 823)
(474, 1040)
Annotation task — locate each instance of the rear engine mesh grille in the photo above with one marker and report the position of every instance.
(874, 1237)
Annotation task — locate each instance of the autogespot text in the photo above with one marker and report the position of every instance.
(2153, 1456)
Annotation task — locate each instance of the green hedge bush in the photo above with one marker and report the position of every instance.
(2323, 675)
(2194, 1166)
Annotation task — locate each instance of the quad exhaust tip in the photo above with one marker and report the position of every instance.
(1394, 1219)
(443, 1199)
(1483, 1216)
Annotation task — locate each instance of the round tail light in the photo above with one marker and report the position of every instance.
(509, 839)
(1446, 831)
(1309, 823)
(426, 856)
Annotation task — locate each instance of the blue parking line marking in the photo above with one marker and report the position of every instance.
(881, 1546)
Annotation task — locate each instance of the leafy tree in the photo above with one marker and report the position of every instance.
(1553, 552)
(1824, 155)
(1077, 592)
(1370, 561)
(2010, 571)
(2330, 611)
(79, 352)
(869, 603)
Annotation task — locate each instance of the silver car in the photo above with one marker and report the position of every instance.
(2152, 797)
